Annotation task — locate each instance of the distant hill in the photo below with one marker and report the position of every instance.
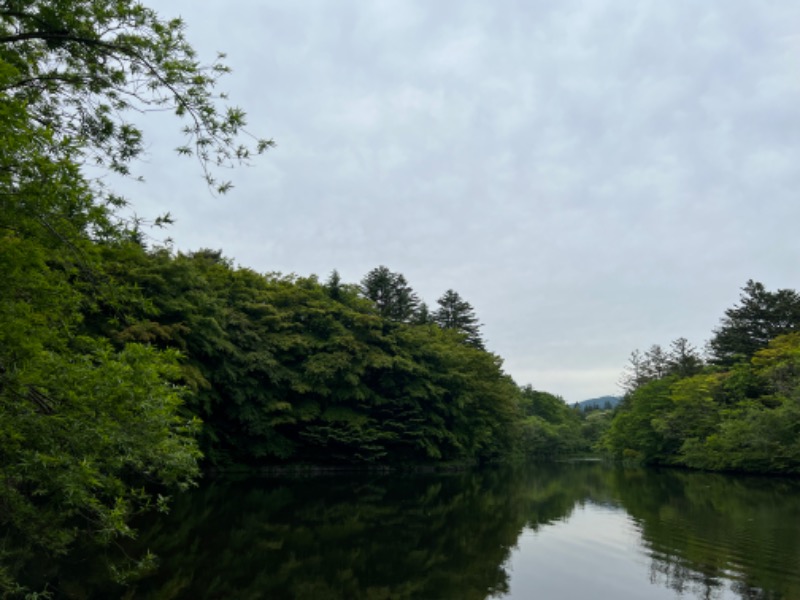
(601, 402)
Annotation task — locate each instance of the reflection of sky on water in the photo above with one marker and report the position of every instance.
(596, 553)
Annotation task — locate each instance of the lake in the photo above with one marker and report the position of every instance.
(566, 530)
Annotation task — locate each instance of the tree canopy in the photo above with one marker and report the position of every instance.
(682, 359)
(393, 297)
(749, 326)
(79, 67)
(457, 314)
(741, 412)
(93, 422)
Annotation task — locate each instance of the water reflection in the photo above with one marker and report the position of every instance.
(706, 532)
(472, 535)
(389, 536)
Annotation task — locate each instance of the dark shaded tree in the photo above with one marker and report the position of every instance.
(393, 297)
(457, 314)
(334, 285)
(759, 317)
(282, 372)
(423, 316)
(683, 358)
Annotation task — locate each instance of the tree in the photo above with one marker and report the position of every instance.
(86, 428)
(79, 66)
(632, 434)
(634, 374)
(549, 427)
(458, 314)
(423, 315)
(334, 285)
(748, 327)
(656, 362)
(393, 297)
(644, 368)
(683, 359)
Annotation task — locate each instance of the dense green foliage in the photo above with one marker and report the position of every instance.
(549, 427)
(457, 314)
(760, 316)
(390, 293)
(86, 426)
(93, 429)
(743, 416)
(286, 369)
(123, 366)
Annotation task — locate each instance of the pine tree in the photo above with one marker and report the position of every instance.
(760, 317)
(683, 359)
(456, 313)
(334, 285)
(393, 297)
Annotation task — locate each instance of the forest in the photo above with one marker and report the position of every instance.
(734, 408)
(127, 368)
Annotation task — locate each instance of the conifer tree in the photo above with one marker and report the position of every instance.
(684, 359)
(393, 297)
(759, 317)
(456, 313)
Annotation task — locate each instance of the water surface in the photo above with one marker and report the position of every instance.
(579, 530)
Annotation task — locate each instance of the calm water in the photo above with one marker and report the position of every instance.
(576, 530)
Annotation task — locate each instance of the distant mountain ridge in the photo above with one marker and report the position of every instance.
(599, 402)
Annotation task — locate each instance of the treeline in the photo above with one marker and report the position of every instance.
(289, 369)
(286, 369)
(736, 408)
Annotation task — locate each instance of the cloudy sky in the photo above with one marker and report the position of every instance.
(594, 176)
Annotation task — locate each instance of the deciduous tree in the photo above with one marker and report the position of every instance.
(80, 67)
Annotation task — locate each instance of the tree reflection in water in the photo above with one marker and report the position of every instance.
(450, 535)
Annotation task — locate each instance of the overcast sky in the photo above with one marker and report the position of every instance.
(592, 176)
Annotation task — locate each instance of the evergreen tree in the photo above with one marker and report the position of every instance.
(456, 313)
(423, 315)
(634, 374)
(655, 363)
(391, 294)
(334, 285)
(748, 327)
(683, 359)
